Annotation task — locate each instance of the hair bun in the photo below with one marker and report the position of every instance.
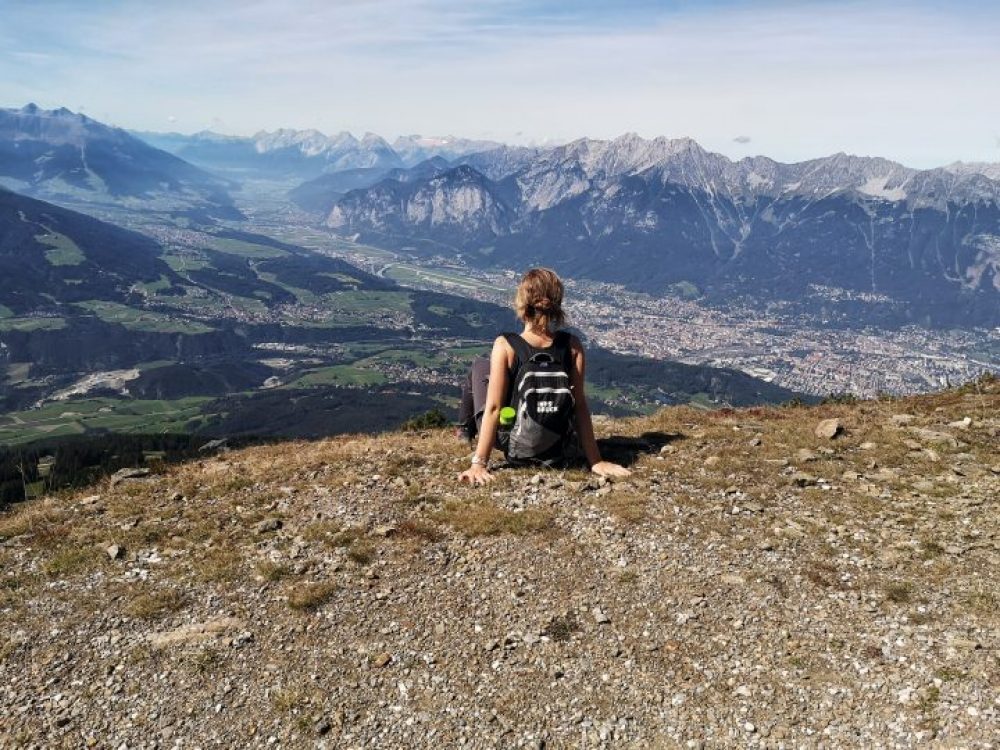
(543, 305)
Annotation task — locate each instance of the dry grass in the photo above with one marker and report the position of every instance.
(308, 597)
(154, 603)
(42, 519)
(272, 571)
(72, 561)
(404, 464)
(482, 519)
(626, 507)
(361, 552)
(204, 660)
(899, 593)
(219, 564)
(414, 528)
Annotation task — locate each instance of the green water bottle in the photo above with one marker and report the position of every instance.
(507, 417)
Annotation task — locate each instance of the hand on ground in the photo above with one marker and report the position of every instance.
(477, 474)
(608, 469)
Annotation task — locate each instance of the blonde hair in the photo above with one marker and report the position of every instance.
(539, 299)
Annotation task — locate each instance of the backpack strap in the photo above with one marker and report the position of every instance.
(522, 353)
(522, 350)
(562, 343)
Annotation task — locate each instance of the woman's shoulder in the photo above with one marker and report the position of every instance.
(573, 340)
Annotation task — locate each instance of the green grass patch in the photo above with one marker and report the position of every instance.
(369, 301)
(141, 320)
(28, 325)
(153, 287)
(417, 357)
(184, 262)
(302, 295)
(62, 251)
(469, 352)
(342, 277)
(76, 417)
(339, 375)
(243, 248)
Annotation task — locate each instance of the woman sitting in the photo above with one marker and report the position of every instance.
(539, 373)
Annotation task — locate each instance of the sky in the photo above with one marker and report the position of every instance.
(918, 82)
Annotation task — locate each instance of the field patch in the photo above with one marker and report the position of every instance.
(62, 251)
(141, 320)
(339, 375)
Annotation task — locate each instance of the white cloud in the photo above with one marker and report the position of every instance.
(902, 79)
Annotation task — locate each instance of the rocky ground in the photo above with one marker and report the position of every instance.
(755, 583)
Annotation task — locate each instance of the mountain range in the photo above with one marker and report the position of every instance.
(306, 154)
(62, 155)
(857, 238)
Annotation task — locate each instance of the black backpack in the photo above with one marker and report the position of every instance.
(544, 429)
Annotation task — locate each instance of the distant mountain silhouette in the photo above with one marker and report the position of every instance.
(55, 154)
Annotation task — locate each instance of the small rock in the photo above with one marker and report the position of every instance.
(242, 639)
(90, 500)
(961, 424)
(267, 525)
(176, 497)
(829, 428)
(901, 419)
(385, 531)
(197, 632)
(115, 551)
(743, 691)
(801, 479)
(868, 446)
(712, 461)
(754, 441)
(804, 455)
(322, 727)
(934, 436)
(124, 474)
(600, 617)
(381, 660)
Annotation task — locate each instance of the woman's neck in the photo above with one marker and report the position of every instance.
(537, 332)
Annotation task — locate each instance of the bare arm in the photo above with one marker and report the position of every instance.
(496, 391)
(584, 421)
